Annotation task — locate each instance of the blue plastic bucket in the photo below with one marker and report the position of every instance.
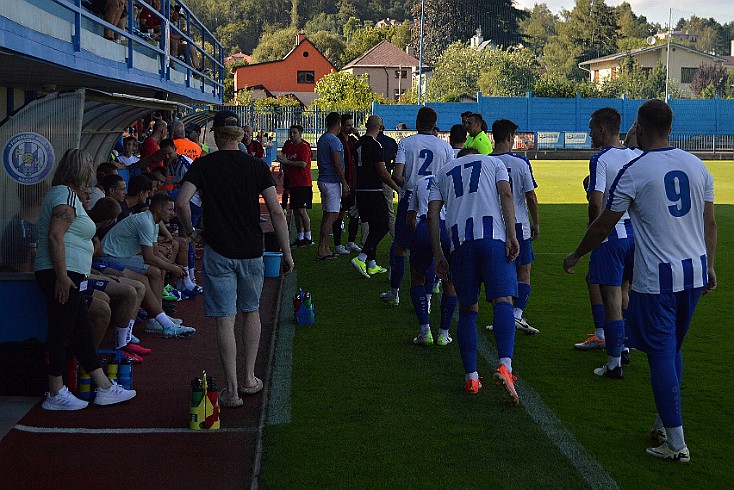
(272, 263)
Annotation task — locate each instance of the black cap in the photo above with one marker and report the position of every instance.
(192, 128)
(226, 118)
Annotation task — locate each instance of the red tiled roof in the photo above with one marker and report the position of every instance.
(384, 54)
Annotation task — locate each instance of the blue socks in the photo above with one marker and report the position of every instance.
(466, 335)
(397, 268)
(448, 305)
(597, 312)
(523, 294)
(504, 328)
(664, 374)
(614, 335)
(420, 303)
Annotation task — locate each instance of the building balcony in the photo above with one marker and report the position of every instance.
(60, 45)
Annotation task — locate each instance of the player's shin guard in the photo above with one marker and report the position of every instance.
(397, 268)
(504, 328)
(466, 335)
(614, 335)
(420, 304)
(523, 294)
(448, 305)
(666, 387)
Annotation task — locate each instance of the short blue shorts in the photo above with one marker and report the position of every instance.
(421, 254)
(231, 284)
(136, 263)
(482, 261)
(611, 262)
(526, 255)
(658, 323)
(403, 236)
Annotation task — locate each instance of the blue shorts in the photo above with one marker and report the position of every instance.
(231, 284)
(526, 255)
(421, 254)
(136, 263)
(658, 323)
(611, 262)
(101, 265)
(482, 261)
(403, 236)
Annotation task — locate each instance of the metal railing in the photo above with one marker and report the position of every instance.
(188, 28)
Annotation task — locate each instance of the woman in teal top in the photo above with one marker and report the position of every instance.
(62, 265)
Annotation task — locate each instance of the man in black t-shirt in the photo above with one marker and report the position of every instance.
(231, 183)
(390, 148)
(371, 174)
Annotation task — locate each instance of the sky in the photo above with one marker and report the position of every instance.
(655, 10)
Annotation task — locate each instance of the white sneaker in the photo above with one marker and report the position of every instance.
(424, 339)
(178, 331)
(353, 247)
(390, 297)
(444, 340)
(341, 250)
(658, 435)
(153, 326)
(524, 326)
(64, 400)
(113, 394)
(663, 451)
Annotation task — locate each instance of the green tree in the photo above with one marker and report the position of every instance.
(342, 90)
(709, 81)
(448, 21)
(509, 73)
(362, 40)
(538, 27)
(588, 31)
(329, 44)
(323, 22)
(274, 44)
(629, 24)
(456, 72)
(556, 86)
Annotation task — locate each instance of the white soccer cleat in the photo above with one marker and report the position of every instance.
(523, 325)
(663, 451)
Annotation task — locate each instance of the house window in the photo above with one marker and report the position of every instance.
(401, 73)
(687, 74)
(398, 93)
(305, 77)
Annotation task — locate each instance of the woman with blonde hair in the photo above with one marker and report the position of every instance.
(63, 263)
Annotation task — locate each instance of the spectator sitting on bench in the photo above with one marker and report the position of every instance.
(103, 170)
(138, 234)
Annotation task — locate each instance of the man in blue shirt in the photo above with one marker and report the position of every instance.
(332, 183)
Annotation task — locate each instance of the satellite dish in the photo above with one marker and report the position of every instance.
(650, 40)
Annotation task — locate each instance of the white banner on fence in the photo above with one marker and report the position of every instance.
(577, 140)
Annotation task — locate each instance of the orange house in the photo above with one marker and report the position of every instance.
(296, 74)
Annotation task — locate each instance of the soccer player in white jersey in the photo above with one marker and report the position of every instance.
(418, 155)
(670, 197)
(610, 264)
(421, 270)
(527, 225)
(480, 219)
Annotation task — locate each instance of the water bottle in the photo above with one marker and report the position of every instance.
(71, 375)
(125, 373)
(197, 395)
(112, 370)
(307, 299)
(296, 304)
(85, 385)
(211, 411)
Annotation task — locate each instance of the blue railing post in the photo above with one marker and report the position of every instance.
(130, 29)
(717, 104)
(76, 39)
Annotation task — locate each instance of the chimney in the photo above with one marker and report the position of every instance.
(299, 38)
(410, 50)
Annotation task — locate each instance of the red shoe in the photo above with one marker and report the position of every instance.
(505, 379)
(472, 386)
(137, 349)
(133, 357)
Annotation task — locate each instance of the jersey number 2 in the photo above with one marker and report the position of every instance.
(678, 191)
(428, 156)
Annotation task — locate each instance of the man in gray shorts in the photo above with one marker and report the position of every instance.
(332, 183)
(231, 183)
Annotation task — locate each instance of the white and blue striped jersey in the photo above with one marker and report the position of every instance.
(422, 154)
(665, 191)
(521, 181)
(420, 196)
(468, 188)
(603, 168)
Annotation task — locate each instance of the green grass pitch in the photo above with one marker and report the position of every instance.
(371, 410)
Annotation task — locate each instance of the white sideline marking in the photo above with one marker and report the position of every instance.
(149, 430)
(279, 408)
(558, 434)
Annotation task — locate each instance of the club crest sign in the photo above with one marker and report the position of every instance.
(28, 158)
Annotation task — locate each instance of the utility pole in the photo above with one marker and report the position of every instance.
(667, 57)
(420, 51)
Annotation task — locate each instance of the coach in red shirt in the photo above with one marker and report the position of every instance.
(296, 161)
